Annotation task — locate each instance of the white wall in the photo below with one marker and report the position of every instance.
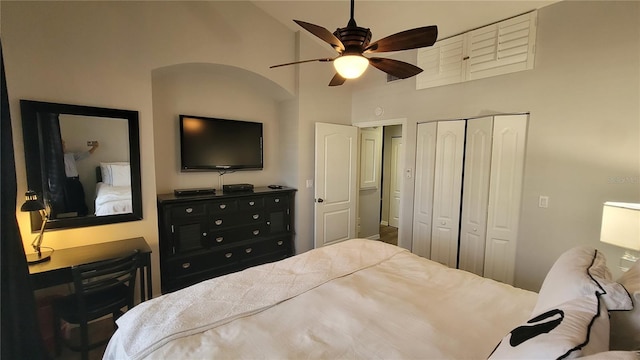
(584, 128)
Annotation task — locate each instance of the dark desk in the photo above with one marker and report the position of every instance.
(57, 271)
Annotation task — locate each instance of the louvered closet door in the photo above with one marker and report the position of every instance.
(505, 194)
(501, 48)
(446, 192)
(442, 63)
(423, 204)
(475, 194)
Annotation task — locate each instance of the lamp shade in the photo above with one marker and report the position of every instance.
(350, 66)
(32, 203)
(621, 225)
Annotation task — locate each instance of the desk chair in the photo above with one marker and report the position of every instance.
(100, 288)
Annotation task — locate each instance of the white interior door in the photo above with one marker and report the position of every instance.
(396, 181)
(447, 192)
(475, 194)
(505, 194)
(423, 204)
(336, 184)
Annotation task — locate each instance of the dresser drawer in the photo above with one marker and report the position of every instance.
(266, 251)
(189, 210)
(222, 206)
(250, 203)
(223, 221)
(276, 201)
(227, 237)
(194, 264)
(264, 247)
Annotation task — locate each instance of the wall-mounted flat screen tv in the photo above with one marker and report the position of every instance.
(210, 144)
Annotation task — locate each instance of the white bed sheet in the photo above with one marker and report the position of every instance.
(404, 306)
(111, 200)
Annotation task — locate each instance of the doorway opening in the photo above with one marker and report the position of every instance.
(380, 203)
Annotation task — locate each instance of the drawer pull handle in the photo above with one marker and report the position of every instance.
(204, 234)
(256, 232)
(248, 250)
(228, 255)
(280, 243)
(219, 239)
(218, 222)
(256, 216)
(189, 210)
(223, 206)
(277, 200)
(268, 222)
(251, 203)
(186, 265)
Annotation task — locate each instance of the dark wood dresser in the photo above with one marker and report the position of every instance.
(205, 236)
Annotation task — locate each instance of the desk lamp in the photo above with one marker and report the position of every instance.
(31, 204)
(621, 227)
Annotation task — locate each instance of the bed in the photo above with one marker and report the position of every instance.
(358, 299)
(113, 189)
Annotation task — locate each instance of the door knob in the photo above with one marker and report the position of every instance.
(320, 200)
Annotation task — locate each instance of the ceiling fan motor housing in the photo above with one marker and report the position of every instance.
(354, 39)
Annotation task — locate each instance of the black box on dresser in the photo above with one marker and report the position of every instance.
(206, 236)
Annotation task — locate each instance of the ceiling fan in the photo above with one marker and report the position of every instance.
(352, 42)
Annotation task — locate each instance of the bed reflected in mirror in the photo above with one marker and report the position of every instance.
(84, 162)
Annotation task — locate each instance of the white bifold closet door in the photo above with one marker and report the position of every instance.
(468, 193)
(423, 204)
(446, 192)
(475, 194)
(505, 196)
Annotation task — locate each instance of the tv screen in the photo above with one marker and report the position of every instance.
(209, 144)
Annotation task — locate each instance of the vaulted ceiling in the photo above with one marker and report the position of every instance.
(388, 17)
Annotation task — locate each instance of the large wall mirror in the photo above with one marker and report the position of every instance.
(84, 163)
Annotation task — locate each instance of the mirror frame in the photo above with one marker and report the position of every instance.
(30, 126)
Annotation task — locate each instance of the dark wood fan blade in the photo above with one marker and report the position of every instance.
(396, 68)
(302, 61)
(323, 34)
(405, 40)
(337, 80)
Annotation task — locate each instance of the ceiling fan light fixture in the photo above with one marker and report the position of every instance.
(351, 66)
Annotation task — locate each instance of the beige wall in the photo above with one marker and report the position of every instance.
(584, 128)
(214, 91)
(121, 54)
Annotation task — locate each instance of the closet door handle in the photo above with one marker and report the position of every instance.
(320, 200)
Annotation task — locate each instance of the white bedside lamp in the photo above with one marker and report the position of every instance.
(621, 227)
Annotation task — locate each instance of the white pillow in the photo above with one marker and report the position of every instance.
(577, 272)
(625, 325)
(120, 175)
(572, 329)
(107, 173)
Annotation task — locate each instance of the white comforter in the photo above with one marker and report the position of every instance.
(111, 200)
(357, 299)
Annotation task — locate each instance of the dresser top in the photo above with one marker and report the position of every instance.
(171, 197)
